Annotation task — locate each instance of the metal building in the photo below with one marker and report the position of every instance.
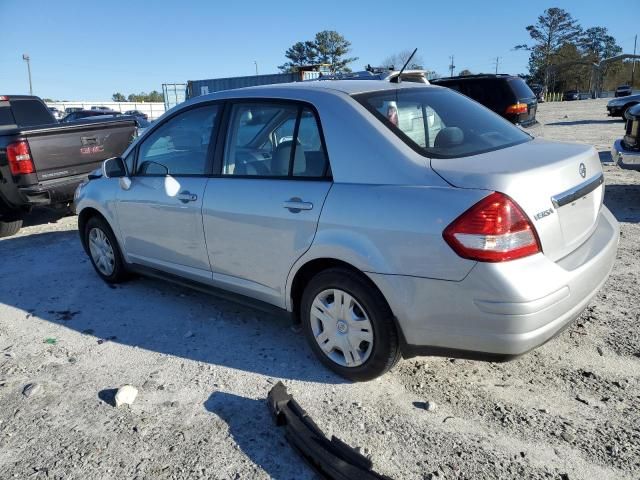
(196, 88)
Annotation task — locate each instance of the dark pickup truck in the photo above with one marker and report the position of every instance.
(43, 161)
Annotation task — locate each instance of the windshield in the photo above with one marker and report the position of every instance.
(441, 123)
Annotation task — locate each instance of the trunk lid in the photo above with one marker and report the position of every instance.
(558, 185)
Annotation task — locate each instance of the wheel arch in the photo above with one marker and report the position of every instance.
(307, 270)
(85, 215)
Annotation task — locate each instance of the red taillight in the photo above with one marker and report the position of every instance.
(494, 230)
(4, 98)
(517, 108)
(19, 157)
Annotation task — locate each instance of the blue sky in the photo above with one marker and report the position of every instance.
(84, 50)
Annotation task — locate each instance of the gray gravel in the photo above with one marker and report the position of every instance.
(203, 367)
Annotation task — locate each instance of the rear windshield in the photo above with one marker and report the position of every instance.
(441, 123)
(29, 113)
(6, 117)
(520, 88)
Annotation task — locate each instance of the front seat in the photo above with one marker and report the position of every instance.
(449, 137)
(281, 157)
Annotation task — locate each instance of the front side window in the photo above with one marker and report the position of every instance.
(440, 123)
(274, 140)
(180, 146)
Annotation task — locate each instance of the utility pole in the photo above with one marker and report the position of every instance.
(451, 66)
(256, 63)
(497, 63)
(26, 58)
(633, 68)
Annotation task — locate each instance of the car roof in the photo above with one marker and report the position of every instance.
(20, 97)
(478, 76)
(335, 87)
(345, 86)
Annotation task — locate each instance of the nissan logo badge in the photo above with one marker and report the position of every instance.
(583, 170)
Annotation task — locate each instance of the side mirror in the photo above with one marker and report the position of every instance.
(114, 168)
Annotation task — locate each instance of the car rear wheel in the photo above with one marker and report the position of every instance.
(103, 250)
(10, 228)
(349, 325)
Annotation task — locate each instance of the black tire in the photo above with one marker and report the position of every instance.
(119, 273)
(385, 352)
(9, 228)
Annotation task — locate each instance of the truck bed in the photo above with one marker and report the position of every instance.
(62, 155)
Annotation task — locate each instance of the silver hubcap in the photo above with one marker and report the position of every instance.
(341, 327)
(101, 251)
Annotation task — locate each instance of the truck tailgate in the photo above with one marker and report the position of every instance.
(74, 149)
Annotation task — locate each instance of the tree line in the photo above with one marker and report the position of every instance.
(562, 53)
(327, 47)
(153, 96)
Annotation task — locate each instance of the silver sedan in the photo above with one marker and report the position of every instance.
(389, 220)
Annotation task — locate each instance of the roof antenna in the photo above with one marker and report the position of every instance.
(398, 79)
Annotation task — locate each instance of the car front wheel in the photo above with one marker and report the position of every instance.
(349, 325)
(103, 250)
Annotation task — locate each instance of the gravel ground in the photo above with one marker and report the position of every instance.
(203, 367)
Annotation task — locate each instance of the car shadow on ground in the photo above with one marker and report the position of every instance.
(50, 278)
(43, 215)
(623, 201)
(254, 431)
(585, 122)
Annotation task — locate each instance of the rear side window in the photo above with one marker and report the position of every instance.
(274, 140)
(30, 113)
(310, 159)
(452, 85)
(440, 123)
(520, 88)
(492, 93)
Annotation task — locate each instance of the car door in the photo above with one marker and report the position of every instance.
(160, 214)
(261, 212)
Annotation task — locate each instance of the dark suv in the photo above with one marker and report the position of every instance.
(507, 95)
(623, 91)
(82, 114)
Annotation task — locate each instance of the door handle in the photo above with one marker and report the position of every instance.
(296, 204)
(185, 197)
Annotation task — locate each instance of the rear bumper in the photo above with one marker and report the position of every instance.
(527, 123)
(523, 122)
(52, 191)
(501, 309)
(625, 158)
(615, 111)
